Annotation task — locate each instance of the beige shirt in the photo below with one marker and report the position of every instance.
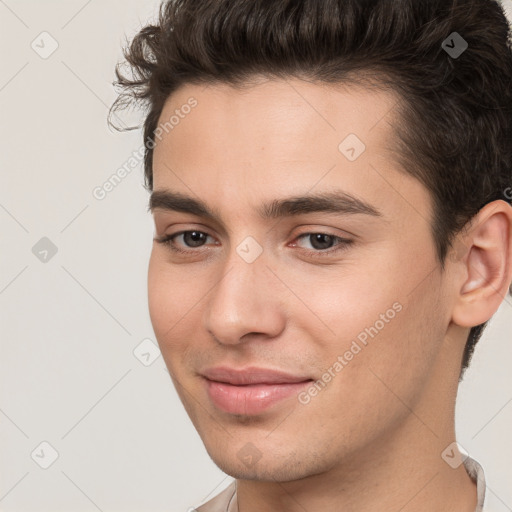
(225, 501)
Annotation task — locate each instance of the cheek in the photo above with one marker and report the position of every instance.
(398, 356)
(168, 298)
(345, 303)
(175, 300)
(159, 296)
(165, 310)
(367, 325)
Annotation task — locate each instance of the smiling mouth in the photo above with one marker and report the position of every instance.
(251, 399)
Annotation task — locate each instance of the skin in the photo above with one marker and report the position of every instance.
(372, 439)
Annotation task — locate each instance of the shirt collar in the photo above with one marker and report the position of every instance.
(476, 473)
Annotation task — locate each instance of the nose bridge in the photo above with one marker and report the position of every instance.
(242, 300)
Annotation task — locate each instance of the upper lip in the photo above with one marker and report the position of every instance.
(251, 375)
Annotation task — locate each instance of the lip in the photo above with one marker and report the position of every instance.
(252, 390)
(251, 375)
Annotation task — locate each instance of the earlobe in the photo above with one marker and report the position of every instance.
(486, 266)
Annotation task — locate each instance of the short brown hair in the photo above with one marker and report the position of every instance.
(455, 132)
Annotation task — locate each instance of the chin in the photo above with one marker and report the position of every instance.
(273, 467)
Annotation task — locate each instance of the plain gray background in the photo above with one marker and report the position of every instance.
(80, 369)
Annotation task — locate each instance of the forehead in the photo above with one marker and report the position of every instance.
(278, 112)
(280, 137)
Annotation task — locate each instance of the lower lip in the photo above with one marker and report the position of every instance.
(250, 399)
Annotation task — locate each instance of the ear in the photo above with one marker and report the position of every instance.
(485, 268)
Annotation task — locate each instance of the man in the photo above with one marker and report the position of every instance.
(331, 184)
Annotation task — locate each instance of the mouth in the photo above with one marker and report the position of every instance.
(252, 390)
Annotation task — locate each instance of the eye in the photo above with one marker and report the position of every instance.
(192, 239)
(323, 243)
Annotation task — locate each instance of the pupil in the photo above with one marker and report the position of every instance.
(195, 237)
(318, 237)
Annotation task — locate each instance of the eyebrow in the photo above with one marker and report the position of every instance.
(337, 201)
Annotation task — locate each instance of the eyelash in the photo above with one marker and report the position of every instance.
(168, 240)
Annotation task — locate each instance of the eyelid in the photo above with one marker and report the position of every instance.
(309, 233)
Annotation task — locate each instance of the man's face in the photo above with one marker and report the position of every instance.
(364, 319)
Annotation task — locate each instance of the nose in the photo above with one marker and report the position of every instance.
(244, 303)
